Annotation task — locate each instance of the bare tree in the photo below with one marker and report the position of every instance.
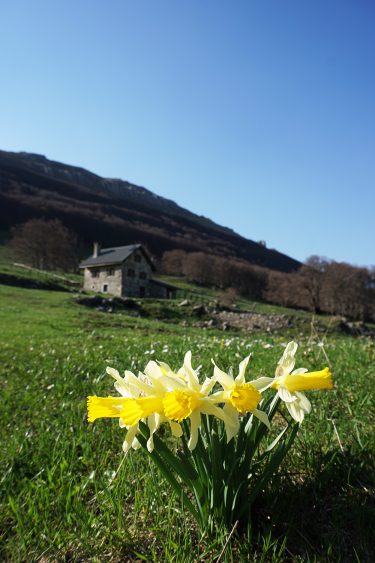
(320, 285)
(172, 262)
(47, 245)
(311, 280)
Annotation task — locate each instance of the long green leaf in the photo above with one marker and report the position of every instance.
(166, 471)
(181, 469)
(217, 471)
(275, 460)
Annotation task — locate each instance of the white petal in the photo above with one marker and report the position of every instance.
(261, 415)
(113, 372)
(153, 370)
(195, 422)
(122, 388)
(135, 444)
(166, 370)
(150, 443)
(153, 422)
(295, 411)
(231, 414)
(120, 385)
(181, 374)
(225, 380)
(287, 361)
(241, 370)
(191, 376)
(160, 381)
(299, 371)
(129, 438)
(187, 359)
(207, 385)
(126, 446)
(207, 407)
(291, 348)
(286, 395)
(303, 401)
(136, 385)
(262, 383)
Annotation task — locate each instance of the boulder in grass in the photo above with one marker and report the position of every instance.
(200, 310)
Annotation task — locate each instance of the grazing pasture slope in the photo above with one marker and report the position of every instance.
(66, 492)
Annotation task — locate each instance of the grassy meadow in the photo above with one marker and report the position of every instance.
(68, 494)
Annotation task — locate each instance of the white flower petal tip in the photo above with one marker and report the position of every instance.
(187, 357)
(113, 372)
(242, 369)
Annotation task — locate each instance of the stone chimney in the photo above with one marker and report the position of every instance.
(96, 251)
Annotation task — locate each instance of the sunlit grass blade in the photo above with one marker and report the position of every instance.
(273, 462)
(165, 468)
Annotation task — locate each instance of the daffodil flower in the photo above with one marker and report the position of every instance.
(140, 400)
(192, 400)
(162, 396)
(159, 395)
(289, 383)
(239, 396)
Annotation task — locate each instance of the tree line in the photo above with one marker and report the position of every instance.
(320, 285)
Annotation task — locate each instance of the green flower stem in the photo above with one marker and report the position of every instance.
(165, 466)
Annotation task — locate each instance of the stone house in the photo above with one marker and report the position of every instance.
(124, 271)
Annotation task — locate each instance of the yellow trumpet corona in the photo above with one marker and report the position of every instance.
(130, 410)
(308, 381)
(244, 398)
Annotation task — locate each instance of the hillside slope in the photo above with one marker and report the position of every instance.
(115, 212)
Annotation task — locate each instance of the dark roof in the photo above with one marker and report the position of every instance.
(115, 255)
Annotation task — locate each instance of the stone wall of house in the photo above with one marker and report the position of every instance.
(131, 279)
(103, 280)
(158, 291)
(161, 291)
(136, 274)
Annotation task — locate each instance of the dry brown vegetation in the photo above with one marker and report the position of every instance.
(319, 286)
(46, 245)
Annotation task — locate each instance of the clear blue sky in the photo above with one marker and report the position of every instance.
(259, 114)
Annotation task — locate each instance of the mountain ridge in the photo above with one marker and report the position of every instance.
(116, 211)
(81, 176)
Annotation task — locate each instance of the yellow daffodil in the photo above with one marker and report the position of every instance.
(140, 400)
(289, 383)
(213, 482)
(239, 396)
(192, 400)
(159, 395)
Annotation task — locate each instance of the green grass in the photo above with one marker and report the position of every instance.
(17, 275)
(59, 500)
(210, 296)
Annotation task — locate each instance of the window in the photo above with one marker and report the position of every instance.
(142, 275)
(131, 273)
(94, 273)
(137, 258)
(105, 288)
(111, 272)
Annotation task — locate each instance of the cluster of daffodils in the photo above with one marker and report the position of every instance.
(160, 395)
